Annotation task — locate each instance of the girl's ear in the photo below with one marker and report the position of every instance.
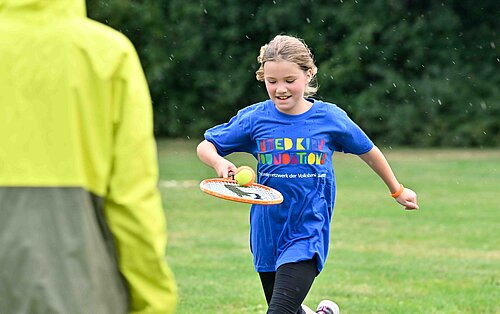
(309, 75)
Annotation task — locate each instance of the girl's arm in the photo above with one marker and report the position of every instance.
(208, 155)
(376, 160)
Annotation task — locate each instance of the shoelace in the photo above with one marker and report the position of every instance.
(324, 310)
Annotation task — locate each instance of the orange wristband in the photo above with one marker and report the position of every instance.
(398, 192)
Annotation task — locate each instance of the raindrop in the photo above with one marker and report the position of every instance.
(394, 84)
(308, 20)
(203, 108)
(439, 102)
(205, 11)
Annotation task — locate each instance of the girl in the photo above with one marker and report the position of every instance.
(293, 138)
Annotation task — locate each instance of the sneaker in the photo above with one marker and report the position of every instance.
(328, 307)
(307, 309)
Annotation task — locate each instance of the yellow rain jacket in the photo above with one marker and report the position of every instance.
(82, 229)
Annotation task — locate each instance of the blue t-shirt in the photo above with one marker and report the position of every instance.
(294, 154)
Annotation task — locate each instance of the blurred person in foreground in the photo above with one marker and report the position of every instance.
(82, 228)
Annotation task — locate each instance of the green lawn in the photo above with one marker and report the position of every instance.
(444, 258)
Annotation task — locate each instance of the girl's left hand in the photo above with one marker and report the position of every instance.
(408, 199)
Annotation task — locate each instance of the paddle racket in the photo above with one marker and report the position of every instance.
(253, 193)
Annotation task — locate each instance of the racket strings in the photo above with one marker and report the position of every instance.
(233, 189)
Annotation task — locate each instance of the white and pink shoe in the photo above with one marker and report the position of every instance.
(327, 307)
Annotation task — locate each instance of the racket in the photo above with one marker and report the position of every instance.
(228, 189)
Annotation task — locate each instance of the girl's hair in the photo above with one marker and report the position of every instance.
(289, 48)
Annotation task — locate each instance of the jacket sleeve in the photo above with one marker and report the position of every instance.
(133, 205)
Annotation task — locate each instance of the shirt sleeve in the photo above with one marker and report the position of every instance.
(233, 136)
(351, 138)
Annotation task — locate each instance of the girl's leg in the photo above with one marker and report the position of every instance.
(267, 280)
(290, 286)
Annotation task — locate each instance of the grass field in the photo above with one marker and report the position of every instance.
(444, 258)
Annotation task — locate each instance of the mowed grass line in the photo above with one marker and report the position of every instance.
(443, 258)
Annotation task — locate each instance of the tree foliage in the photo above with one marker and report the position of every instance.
(411, 73)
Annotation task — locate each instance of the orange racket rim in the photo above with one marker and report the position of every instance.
(277, 196)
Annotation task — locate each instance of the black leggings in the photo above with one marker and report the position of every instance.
(287, 288)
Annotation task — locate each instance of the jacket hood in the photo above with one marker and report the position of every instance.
(55, 8)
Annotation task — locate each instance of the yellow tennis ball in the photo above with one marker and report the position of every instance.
(244, 176)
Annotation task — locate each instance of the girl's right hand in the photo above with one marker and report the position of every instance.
(224, 167)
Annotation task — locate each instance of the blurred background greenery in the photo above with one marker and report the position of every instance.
(411, 73)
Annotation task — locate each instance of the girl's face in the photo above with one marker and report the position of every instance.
(285, 84)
